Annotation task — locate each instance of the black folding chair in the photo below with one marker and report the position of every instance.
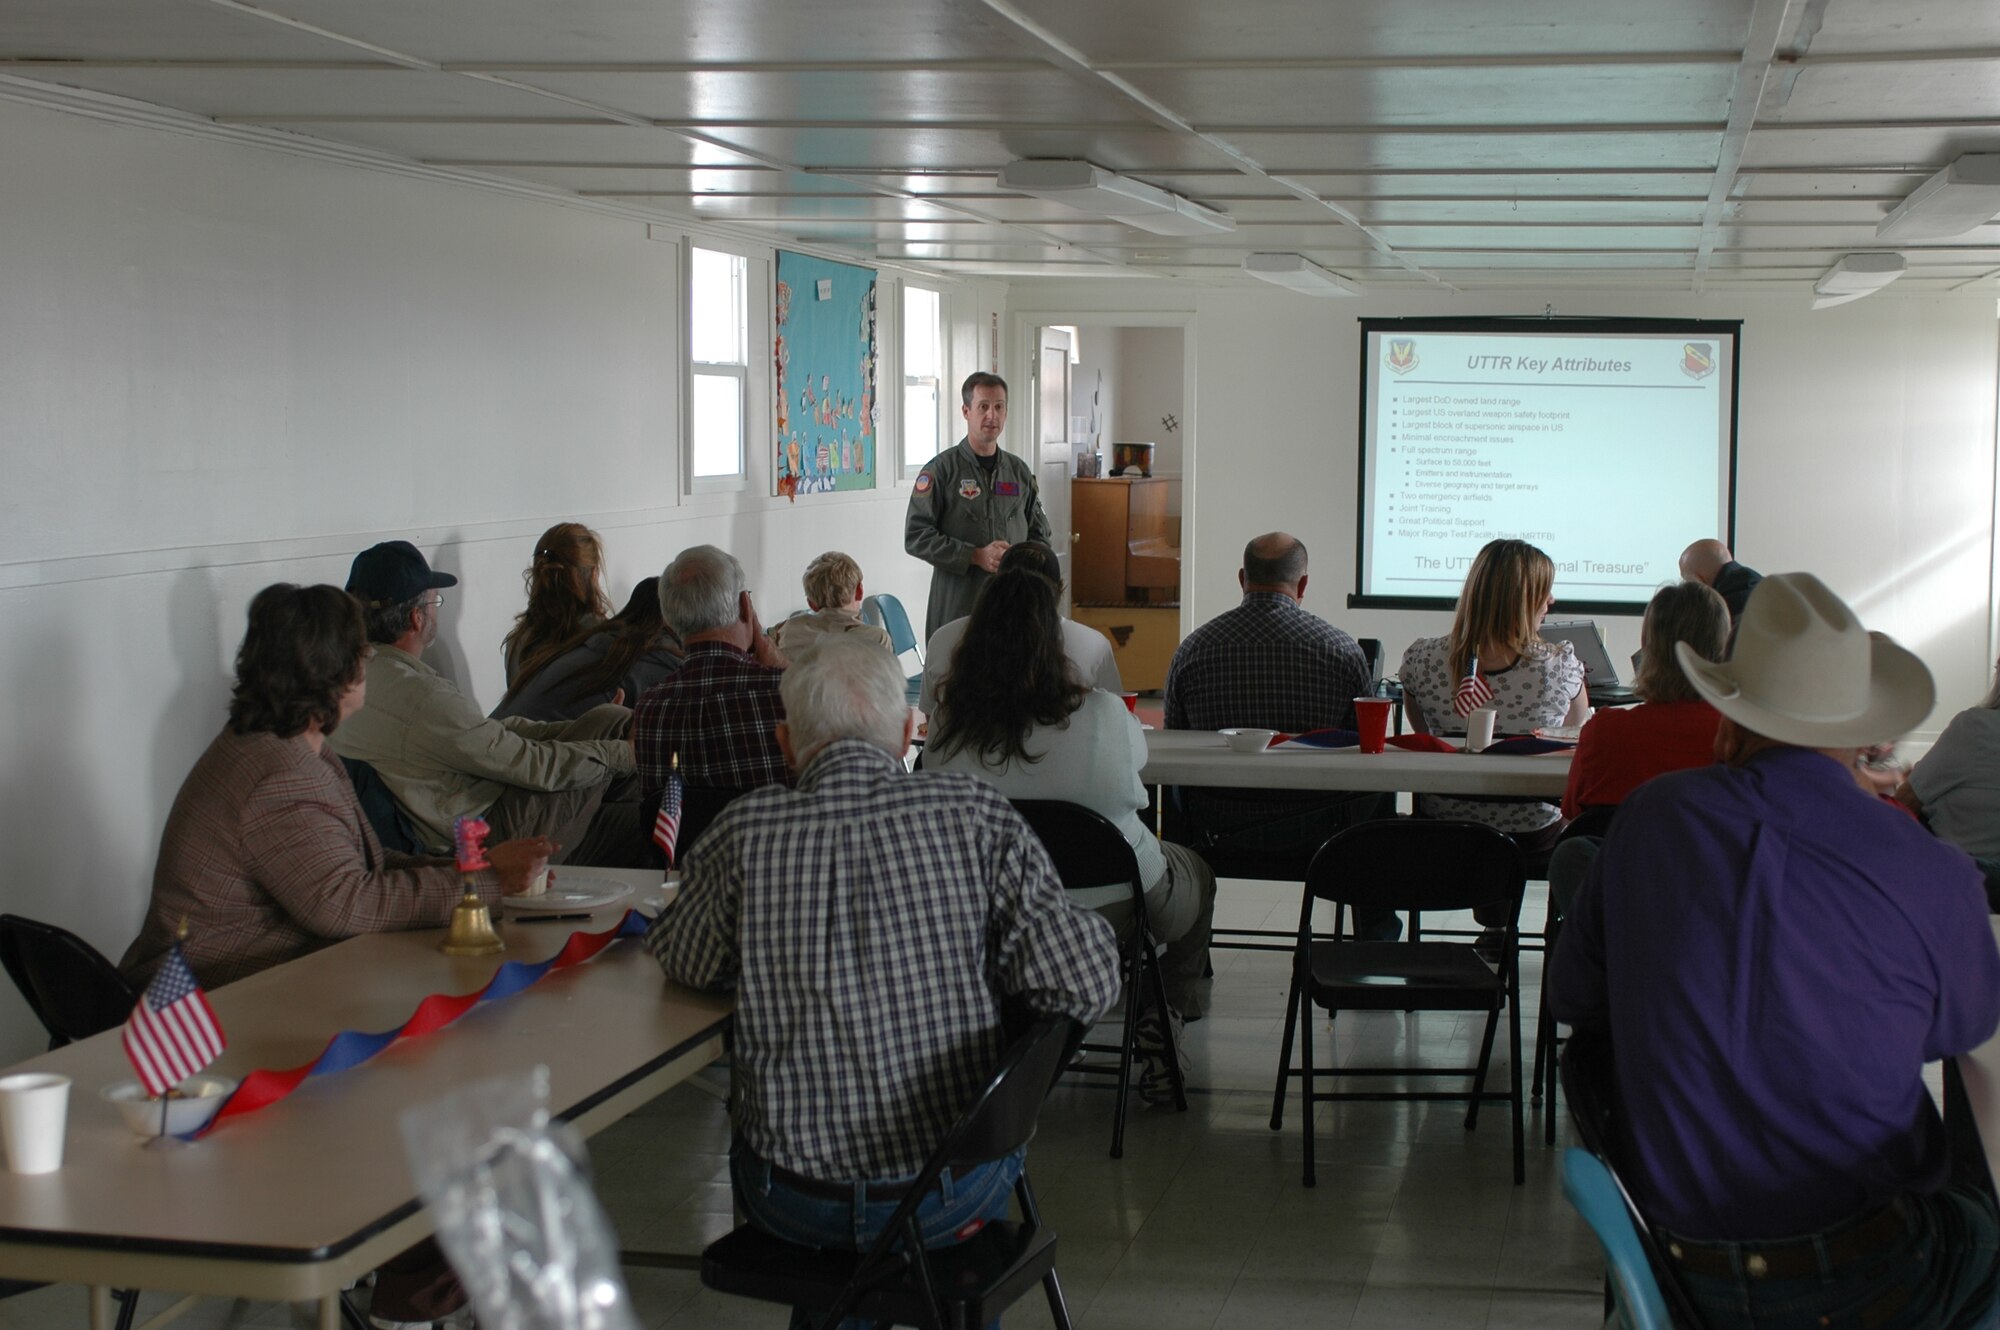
(1592, 1094)
(1090, 853)
(1412, 865)
(69, 985)
(75, 993)
(896, 1281)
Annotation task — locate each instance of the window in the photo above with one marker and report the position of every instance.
(923, 368)
(718, 348)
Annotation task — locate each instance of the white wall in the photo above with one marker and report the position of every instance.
(1866, 447)
(223, 366)
(1094, 380)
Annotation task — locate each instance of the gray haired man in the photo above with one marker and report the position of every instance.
(871, 922)
(719, 713)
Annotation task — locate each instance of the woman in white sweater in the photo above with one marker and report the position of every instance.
(1013, 712)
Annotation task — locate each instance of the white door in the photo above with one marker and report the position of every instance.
(1054, 453)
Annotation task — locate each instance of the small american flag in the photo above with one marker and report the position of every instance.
(172, 1033)
(1473, 690)
(667, 826)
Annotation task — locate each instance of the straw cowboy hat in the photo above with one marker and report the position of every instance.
(1806, 672)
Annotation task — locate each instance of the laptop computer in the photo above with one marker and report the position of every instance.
(1587, 641)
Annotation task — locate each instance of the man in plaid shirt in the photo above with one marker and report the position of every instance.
(871, 922)
(719, 713)
(1269, 664)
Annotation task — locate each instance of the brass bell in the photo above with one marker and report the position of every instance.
(471, 932)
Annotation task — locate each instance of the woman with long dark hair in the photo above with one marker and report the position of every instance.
(1013, 713)
(565, 596)
(627, 654)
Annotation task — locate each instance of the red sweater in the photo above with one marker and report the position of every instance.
(1623, 748)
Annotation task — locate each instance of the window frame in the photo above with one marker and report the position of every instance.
(912, 465)
(738, 371)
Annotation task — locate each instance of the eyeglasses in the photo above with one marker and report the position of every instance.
(435, 602)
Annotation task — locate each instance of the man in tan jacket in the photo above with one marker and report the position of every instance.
(442, 758)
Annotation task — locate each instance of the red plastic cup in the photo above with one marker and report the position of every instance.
(1131, 702)
(1371, 718)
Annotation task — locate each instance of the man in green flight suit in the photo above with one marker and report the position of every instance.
(970, 503)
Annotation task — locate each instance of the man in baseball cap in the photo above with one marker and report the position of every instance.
(442, 758)
(1775, 954)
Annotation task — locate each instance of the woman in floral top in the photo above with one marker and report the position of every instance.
(1499, 619)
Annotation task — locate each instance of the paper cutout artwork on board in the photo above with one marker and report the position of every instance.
(824, 358)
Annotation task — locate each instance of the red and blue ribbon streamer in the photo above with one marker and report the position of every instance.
(351, 1048)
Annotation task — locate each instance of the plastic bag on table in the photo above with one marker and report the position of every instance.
(514, 1209)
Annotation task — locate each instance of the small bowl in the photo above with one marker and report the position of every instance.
(201, 1098)
(1248, 741)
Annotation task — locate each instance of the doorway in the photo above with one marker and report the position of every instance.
(1112, 398)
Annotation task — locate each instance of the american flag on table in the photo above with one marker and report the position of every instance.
(172, 1033)
(667, 826)
(1473, 690)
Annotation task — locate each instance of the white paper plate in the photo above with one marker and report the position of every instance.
(570, 893)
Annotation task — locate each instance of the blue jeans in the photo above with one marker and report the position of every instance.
(971, 1196)
(1941, 1273)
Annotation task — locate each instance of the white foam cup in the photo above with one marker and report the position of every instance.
(1479, 729)
(34, 1107)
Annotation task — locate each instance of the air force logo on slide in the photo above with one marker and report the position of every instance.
(1698, 360)
(1402, 357)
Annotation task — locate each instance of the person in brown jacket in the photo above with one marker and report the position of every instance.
(266, 853)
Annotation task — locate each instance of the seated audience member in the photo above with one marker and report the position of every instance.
(1710, 562)
(1533, 683)
(1088, 650)
(719, 713)
(1775, 955)
(871, 923)
(1270, 664)
(565, 596)
(1013, 715)
(443, 760)
(266, 856)
(1955, 787)
(616, 662)
(833, 590)
(265, 853)
(1624, 747)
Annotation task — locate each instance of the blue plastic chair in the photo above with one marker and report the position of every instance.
(886, 613)
(1593, 1189)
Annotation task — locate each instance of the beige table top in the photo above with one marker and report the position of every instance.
(1201, 757)
(321, 1175)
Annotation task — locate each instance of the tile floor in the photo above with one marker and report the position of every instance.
(1204, 1224)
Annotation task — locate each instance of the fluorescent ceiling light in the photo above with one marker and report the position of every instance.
(1855, 276)
(1963, 197)
(1296, 272)
(1093, 189)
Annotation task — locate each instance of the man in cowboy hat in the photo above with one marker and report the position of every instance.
(1775, 954)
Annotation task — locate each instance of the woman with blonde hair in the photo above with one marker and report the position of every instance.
(1495, 641)
(565, 596)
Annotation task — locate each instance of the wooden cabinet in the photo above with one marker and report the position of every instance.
(1123, 551)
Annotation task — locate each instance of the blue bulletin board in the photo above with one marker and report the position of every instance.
(824, 361)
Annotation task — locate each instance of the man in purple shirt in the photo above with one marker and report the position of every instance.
(1775, 954)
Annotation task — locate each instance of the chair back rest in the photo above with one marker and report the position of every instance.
(1594, 1191)
(1087, 849)
(1592, 821)
(1419, 864)
(1001, 1117)
(392, 826)
(69, 985)
(886, 613)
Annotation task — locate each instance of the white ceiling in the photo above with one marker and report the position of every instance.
(1682, 144)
